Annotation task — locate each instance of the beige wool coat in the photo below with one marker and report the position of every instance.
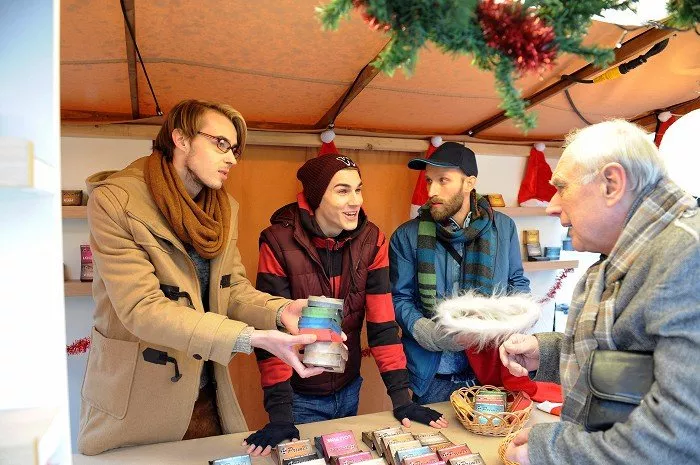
(125, 399)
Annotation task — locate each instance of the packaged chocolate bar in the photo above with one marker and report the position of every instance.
(86, 271)
(305, 459)
(367, 439)
(428, 439)
(286, 452)
(340, 443)
(395, 447)
(471, 459)
(373, 462)
(488, 401)
(454, 451)
(403, 454)
(442, 445)
(316, 462)
(425, 459)
(377, 436)
(388, 440)
(233, 460)
(351, 458)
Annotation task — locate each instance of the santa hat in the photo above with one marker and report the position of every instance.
(327, 144)
(481, 324)
(666, 119)
(535, 190)
(420, 192)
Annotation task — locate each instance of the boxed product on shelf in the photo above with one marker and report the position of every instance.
(85, 263)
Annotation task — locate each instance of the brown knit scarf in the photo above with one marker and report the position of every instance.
(203, 221)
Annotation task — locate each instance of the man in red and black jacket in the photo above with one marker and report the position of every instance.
(323, 245)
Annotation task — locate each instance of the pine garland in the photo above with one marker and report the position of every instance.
(454, 27)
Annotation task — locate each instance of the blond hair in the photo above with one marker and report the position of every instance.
(617, 141)
(188, 116)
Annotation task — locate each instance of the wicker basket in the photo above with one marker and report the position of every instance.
(504, 445)
(488, 424)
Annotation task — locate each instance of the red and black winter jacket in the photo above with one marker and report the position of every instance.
(297, 261)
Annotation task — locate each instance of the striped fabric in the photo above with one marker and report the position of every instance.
(477, 242)
(382, 329)
(592, 312)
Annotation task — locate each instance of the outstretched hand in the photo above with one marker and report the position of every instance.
(262, 441)
(421, 414)
(286, 348)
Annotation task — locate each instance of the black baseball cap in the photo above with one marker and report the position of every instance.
(449, 155)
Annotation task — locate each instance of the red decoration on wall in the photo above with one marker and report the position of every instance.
(79, 346)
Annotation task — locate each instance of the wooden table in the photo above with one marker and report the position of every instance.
(200, 451)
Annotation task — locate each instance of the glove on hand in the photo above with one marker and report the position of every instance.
(272, 434)
(417, 412)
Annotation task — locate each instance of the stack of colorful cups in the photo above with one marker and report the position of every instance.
(323, 317)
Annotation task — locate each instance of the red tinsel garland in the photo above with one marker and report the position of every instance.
(371, 21)
(552, 292)
(518, 33)
(79, 346)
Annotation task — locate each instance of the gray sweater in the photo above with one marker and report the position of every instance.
(660, 313)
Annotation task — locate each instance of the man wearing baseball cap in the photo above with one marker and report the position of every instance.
(323, 244)
(456, 243)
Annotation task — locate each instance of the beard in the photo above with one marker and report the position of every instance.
(448, 208)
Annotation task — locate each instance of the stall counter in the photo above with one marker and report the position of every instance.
(200, 451)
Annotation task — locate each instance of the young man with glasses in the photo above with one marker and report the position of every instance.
(173, 304)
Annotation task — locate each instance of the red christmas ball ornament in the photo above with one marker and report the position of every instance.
(372, 22)
(518, 33)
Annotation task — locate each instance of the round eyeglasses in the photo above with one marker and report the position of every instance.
(224, 145)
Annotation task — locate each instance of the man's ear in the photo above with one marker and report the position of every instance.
(469, 184)
(614, 183)
(180, 140)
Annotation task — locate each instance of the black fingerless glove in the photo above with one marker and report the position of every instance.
(417, 412)
(273, 433)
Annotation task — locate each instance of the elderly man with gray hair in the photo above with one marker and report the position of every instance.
(640, 297)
